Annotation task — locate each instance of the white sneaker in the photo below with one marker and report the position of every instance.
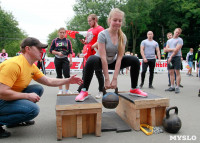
(60, 92)
(99, 95)
(69, 92)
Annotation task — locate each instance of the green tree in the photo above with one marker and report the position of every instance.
(10, 34)
(83, 8)
(170, 14)
(137, 20)
(51, 37)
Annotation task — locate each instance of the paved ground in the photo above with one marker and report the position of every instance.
(187, 102)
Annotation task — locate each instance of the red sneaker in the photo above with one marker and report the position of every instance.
(138, 92)
(82, 96)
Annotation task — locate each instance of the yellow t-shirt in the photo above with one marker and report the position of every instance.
(17, 73)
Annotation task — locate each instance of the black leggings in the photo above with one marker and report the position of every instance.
(94, 64)
(62, 66)
(100, 79)
(151, 63)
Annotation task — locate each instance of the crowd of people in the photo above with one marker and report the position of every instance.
(104, 49)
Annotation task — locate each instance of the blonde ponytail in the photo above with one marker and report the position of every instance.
(120, 42)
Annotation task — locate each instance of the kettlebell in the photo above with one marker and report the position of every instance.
(172, 122)
(110, 100)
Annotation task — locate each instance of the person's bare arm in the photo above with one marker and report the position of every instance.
(158, 53)
(102, 53)
(178, 47)
(57, 82)
(6, 93)
(142, 54)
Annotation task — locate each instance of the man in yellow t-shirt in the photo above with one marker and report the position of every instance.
(17, 98)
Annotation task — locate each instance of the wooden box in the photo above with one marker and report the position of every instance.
(138, 110)
(77, 118)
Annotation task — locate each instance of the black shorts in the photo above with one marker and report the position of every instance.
(175, 63)
(198, 65)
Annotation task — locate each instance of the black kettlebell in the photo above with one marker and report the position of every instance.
(110, 100)
(172, 122)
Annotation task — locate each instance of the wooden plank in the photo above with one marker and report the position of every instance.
(151, 103)
(153, 117)
(143, 116)
(160, 114)
(137, 122)
(79, 127)
(78, 106)
(59, 127)
(69, 126)
(126, 110)
(78, 112)
(98, 124)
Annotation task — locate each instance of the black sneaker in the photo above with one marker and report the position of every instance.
(181, 85)
(151, 87)
(177, 90)
(4, 133)
(27, 123)
(170, 89)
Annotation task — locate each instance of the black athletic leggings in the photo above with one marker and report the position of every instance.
(62, 67)
(151, 63)
(99, 76)
(94, 64)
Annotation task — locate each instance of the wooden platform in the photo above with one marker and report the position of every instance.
(77, 118)
(138, 110)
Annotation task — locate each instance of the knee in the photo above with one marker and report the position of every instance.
(39, 90)
(33, 111)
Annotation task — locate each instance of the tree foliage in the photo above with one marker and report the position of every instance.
(159, 16)
(10, 34)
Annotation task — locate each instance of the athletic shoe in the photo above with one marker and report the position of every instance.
(82, 96)
(181, 85)
(138, 92)
(4, 133)
(69, 92)
(60, 92)
(27, 123)
(99, 95)
(170, 89)
(151, 87)
(177, 90)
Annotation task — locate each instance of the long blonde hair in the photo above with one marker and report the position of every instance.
(120, 33)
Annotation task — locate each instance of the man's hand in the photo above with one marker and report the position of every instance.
(169, 60)
(75, 80)
(33, 97)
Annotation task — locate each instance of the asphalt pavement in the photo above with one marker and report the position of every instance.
(187, 102)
